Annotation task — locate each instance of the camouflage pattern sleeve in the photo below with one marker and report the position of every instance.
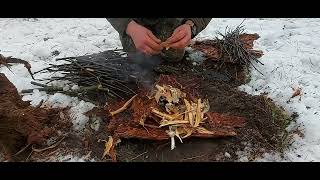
(119, 24)
(200, 23)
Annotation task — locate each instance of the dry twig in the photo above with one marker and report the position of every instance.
(49, 147)
(124, 107)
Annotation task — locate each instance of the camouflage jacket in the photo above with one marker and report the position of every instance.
(120, 24)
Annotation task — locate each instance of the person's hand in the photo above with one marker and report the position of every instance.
(180, 38)
(143, 39)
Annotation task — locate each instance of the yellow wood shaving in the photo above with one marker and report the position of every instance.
(178, 135)
(108, 146)
(124, 107)
(142, 119)
(206, 106)
(167, 123)
(162, 115)
(203, 130)
(198, 114)
(187, 131)
(189, 115)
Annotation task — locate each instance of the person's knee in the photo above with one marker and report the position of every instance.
(164, 30)
(127, 44)
(173, 55)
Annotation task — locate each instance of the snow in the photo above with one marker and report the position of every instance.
(226, 154)
(291, 59)
(73, 158)
(79, 120)
(67, 158)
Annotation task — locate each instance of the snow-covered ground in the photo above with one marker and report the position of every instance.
(292, 60)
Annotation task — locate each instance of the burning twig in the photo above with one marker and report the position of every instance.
(165, 45)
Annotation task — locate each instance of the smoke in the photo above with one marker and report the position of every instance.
(143, 66)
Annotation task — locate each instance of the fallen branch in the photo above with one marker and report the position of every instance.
(190, 158)
(70, 92)
(139, 155)
(7, 60)
(44, 149)
(23, 149)
(38, 84)
(50, 147)
(47, 89)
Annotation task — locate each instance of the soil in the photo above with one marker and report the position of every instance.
(22, 124)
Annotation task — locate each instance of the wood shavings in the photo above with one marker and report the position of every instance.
(203, 130)
(124, 107)
(171, 134)
(198, 114)
(108, 146)
(167, 123)
(162, 115)
(171, 113)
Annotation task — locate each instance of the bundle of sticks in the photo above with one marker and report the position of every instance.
(108, 72)
(235, 47)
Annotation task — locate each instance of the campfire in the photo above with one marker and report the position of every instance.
(168, 107)
(167, 112)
